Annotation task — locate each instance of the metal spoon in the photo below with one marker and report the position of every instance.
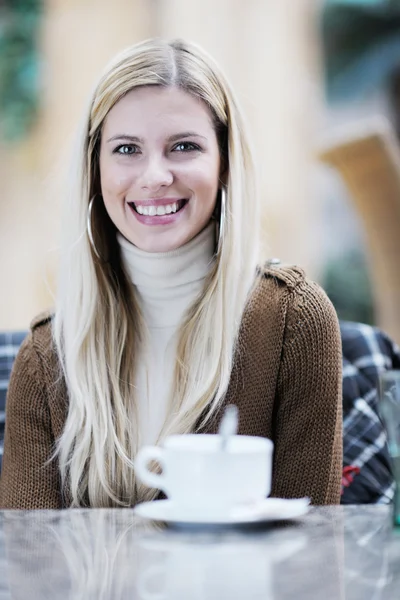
(228, 425)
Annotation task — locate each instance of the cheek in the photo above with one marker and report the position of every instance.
(204, 181)
(207, 188)
(114, 180)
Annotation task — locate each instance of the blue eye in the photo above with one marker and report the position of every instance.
(126, 149)
(185, 147)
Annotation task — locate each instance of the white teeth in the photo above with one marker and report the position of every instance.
(153, 210)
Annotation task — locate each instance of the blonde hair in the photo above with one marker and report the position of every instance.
(98, 328)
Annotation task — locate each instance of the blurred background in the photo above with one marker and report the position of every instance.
(319, 82)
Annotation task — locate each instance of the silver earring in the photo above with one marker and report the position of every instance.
(89, 227)
(221, 222)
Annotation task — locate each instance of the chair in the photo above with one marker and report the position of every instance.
(367, 157)
(367, 473)
(9, 346)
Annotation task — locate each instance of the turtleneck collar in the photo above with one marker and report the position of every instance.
(169, 282)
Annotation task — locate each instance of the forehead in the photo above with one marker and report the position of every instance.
(155, 107)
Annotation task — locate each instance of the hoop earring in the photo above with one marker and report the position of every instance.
(89, 227)
(221, 220)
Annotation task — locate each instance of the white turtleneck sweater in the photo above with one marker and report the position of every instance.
(167, 283)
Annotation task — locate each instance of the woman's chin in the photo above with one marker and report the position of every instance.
(161, 243)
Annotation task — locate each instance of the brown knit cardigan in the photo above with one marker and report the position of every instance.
(286, 382)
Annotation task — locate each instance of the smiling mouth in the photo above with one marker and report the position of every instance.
(158, 210)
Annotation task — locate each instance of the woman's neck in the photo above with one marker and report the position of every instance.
(167, 283)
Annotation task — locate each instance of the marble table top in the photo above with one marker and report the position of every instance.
(350, 553)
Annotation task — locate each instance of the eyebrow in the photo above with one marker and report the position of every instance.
(173, 138)
(185, 134)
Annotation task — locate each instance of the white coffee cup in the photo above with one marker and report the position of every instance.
(198, 475)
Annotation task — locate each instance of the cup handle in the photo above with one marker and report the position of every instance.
(144, 456)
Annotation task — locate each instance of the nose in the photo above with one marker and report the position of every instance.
(155, 175)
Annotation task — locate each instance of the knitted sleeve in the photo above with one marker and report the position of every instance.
(308, 423)
(28, 479)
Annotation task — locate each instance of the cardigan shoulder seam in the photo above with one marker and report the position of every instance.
(292, 275)
(41, 335)
(41, 319)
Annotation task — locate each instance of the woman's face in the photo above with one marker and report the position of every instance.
(159, 167)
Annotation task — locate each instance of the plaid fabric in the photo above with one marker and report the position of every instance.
(367, 352)
(9, 346)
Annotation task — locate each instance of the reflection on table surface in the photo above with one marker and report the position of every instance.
(333, 552)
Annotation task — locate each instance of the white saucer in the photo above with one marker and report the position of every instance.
(268, 510)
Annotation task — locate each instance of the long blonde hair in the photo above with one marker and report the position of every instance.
(98, 329)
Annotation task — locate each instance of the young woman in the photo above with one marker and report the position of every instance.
(163, 313)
